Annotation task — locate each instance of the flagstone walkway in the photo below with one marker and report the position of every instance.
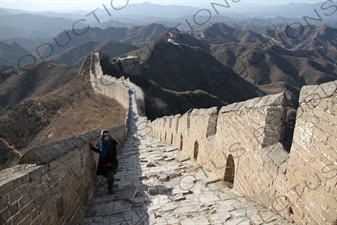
(157, 184)
(160, 185)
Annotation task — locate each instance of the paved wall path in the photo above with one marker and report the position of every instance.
(157, 184)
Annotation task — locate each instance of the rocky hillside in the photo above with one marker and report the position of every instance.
(55, 112)
(176, 77)
(76, 55)
(37, 81)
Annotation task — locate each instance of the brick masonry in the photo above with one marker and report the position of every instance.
(241, 142)
(54, 182)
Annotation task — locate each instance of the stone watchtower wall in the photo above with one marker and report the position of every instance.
(241, 144)
(55, 181)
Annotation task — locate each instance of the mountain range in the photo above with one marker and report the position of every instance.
(266, 59)
(240, 15)
(220, 62)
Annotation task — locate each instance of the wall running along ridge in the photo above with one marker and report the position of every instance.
(55, 182)
(119, 89)
(241, 144)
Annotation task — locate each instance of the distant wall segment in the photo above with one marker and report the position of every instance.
(107, 85)
(241, 143)
(119, 89)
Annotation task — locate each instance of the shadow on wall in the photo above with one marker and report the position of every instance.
(230, 171)
(288, 130)
(196, 149)
(249, 145)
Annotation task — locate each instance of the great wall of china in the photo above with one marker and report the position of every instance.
(239, 143)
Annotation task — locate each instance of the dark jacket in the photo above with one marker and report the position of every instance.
(111, 157)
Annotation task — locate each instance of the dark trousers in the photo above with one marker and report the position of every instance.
(111, 179)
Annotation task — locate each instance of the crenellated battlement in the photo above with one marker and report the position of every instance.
(242, 144)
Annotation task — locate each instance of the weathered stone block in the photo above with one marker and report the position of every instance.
(227, 108)
(273, 100)
(13, 208)
(327, 89)
(37, 172)
(18, 217)
(333, 106)
(4, 201)
(283, 167)
(16, 194)
(37, 181)
(87, 137)
(329, 128)
(6, 186)
(25, 200)
(44, 216)
(4, 214)
(78, 142)
(37, 221)
(332, 142)
(318, 133)
(28, 208)
(308, 93)
(21, 178)
(26, 221)
(330, 118)
(39, 155)
(252, 103)
(63, 146)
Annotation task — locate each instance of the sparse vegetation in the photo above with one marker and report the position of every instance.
(56, 115)
(218, 64)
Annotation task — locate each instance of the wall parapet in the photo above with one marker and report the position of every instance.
(107, 85)
(56, 185)
(46, 153)
(118, 88)
(56, 181)
(246, 150)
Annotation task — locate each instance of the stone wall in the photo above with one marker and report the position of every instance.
(54, 182)
(107, 85)
(311, 181)
(112, 87)
(57, 180)
(242, 144)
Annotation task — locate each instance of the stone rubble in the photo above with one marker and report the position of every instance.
(161, 185)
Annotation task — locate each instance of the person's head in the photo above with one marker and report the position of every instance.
(105, 135)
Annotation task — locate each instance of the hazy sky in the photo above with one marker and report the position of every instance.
(67, 5)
